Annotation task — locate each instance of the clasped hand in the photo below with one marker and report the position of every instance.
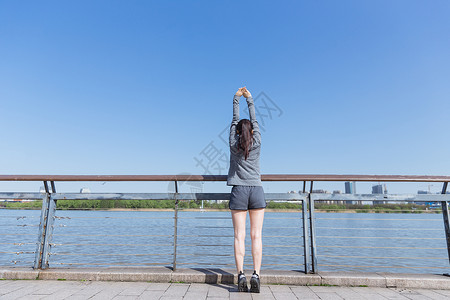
(243, 92)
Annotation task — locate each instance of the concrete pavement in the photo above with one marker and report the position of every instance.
(54, 289)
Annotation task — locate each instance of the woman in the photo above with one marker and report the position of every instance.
(247, 192)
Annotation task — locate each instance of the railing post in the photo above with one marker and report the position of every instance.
(445, 215)
(42, 231)
(45, 228)
(305, 235)
(49, 232)
(175, 234)
(312, 230)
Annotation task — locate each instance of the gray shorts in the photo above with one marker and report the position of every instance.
(245, 197)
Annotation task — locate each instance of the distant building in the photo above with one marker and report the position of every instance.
(421, 192)
(337, 192)
(350, 187)
(320, 191)
(377, 189)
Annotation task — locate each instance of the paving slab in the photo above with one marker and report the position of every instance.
(387, 293)
(176, 290)
(284, 296)
(243, 296)
(218, 291)
(195, 295)
(304, 292)
(134, 289)
(349, 294)
(158, 286)
(198, 287)
(151, 294)
(329, 296)
(24, 290)
(432, 294)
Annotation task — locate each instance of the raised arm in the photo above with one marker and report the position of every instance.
(235, 121)
(251, 112)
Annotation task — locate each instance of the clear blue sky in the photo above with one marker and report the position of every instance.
(142, 87)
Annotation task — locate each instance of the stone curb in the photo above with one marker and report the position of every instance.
(227, 276)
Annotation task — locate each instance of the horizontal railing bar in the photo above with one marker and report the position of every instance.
(201, 254)
(379, 211)
(222, 264)
(248, 246)
(109, 254)
(20, 217)
(70, 226)
(169, 196)
(389, 229)
(229, 218)
(115, 264)
(17, 234)
(387, 257)
(205, 218)
(284, 197)
(265, 236)
(373, 247)
(13, 195)
(264, 177)
(18, 244)
(18, 252)
(380, 237)
(73, 218)
(118, 245)
(19, 225)
(373, 219)
(232, 255)
(380, 197)
(265, 227)
(112, 235)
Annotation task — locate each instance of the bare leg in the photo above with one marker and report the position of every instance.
(239, 217)
(256, 224)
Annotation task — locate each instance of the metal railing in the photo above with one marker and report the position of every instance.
(177, 241)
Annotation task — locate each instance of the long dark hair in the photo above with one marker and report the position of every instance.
(245, 131)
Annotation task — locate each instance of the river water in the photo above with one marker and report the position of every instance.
(369, 242)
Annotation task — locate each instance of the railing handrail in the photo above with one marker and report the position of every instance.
(264, 177)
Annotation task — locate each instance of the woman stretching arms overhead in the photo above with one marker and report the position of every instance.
(247, 193)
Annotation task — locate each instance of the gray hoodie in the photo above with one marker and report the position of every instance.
(244, 172)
